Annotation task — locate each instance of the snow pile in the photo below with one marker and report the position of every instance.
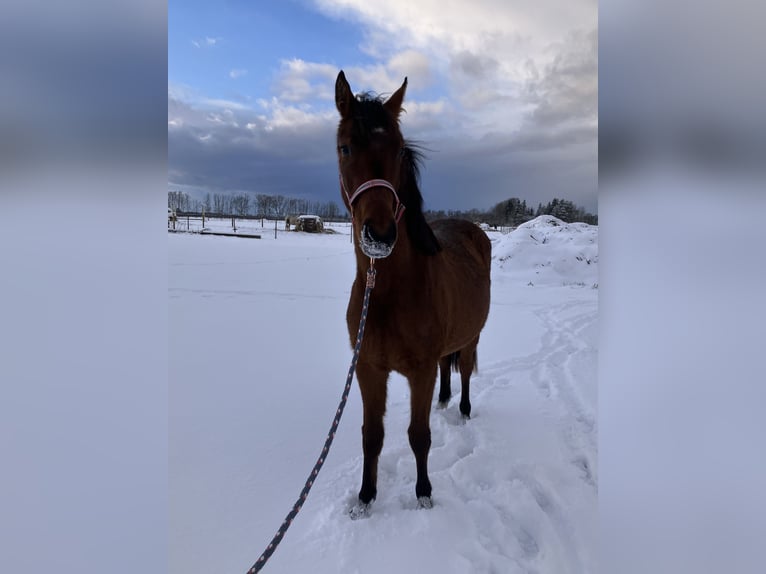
(547, 251)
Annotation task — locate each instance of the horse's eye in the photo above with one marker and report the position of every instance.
(344, 150)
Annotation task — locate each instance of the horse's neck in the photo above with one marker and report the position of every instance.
(391, 273)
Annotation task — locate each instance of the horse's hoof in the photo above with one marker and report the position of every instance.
(442, 404)
(359, 510)
(425, 502)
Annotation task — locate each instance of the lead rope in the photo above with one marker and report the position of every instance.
(330, 436)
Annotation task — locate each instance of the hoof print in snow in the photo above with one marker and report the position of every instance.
(359, 510)
(425, 502)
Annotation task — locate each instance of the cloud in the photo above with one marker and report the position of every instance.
(237, 73)
(475, 66)
(411, 63)
(437, 27)
(502, 61)
(206, 42)
(307, 89)
(567, 90)
(221, 103)
(298, 80)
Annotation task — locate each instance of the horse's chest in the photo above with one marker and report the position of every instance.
(398, 340)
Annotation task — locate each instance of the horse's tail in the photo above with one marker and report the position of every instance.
(454, 361)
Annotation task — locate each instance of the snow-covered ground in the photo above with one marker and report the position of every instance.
(258, 356)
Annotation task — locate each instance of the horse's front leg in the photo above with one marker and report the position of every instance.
(422, 385)
(372, 384)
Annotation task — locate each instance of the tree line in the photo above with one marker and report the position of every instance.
(253, 204)
(514, 211)
(511, 212)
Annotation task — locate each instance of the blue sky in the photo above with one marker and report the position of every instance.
(208, 40)
(502, 93)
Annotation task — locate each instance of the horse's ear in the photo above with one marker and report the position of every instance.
(344, 98)
(394, 103)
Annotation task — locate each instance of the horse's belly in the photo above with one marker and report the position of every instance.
(466, 320)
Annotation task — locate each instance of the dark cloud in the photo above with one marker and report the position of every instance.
(473, 65)
(232, 150)
(478, 176)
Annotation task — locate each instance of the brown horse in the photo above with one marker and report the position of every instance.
(431, 296)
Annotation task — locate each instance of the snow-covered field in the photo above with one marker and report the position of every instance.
(258, 356)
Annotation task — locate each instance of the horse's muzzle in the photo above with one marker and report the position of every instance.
(375, 245)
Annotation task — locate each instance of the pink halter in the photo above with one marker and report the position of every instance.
(367, 185)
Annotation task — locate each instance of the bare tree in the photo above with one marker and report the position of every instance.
(218, 203)
(280, 205)
(240, 204)
(264, 203)
(179, 201)
(331, 210)
(291, 206)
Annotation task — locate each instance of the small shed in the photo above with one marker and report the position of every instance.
(309, 223)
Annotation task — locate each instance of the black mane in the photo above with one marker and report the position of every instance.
(369, 114)
(417, 227)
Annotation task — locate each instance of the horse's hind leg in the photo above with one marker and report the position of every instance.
(468, 364)
(445, 392)
(421, 393)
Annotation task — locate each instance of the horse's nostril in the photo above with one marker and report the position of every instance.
(388, 236)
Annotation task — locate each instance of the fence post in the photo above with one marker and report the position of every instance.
(203, 218)
(275, 228)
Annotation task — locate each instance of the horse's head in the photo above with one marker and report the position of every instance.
(371, 150)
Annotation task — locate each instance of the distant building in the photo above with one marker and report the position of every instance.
(307, 223)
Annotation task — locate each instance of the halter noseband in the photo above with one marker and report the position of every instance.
(367, 185)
